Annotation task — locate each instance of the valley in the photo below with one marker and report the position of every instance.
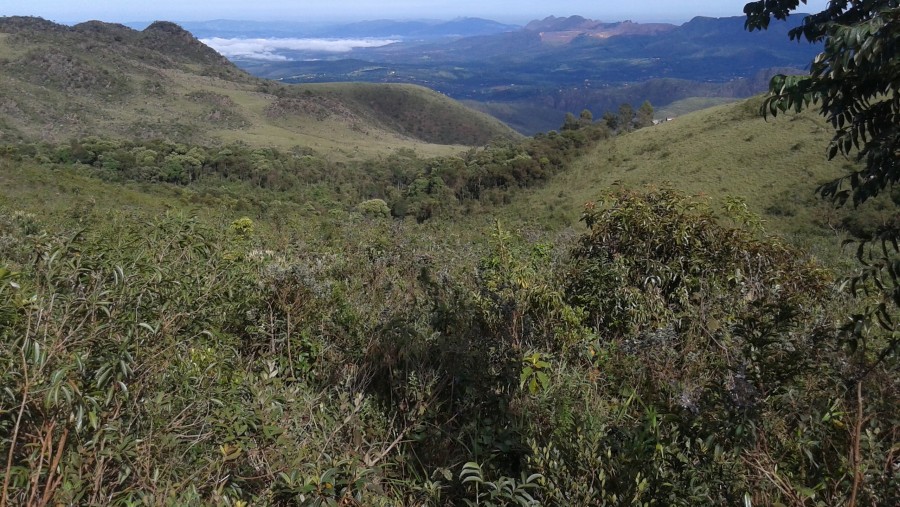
(531, 76)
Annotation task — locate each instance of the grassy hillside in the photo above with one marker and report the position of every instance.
(61, 82)
(689, 105)
(775, 165)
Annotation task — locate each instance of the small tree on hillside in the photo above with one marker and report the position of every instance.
(644, 115)
(586, 116)
(570, 122)
(611, 120)
(626, 117)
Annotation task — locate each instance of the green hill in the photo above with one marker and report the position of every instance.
(59, 82)
(775, 165)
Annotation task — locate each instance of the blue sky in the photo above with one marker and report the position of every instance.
(515, 11)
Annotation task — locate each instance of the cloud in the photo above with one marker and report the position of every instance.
(269, 49)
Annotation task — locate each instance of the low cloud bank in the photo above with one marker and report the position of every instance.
(269, 49)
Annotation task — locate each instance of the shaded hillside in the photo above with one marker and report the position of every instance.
(59, 82)
(417, 112)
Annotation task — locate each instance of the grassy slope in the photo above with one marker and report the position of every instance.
(723, 151)
(689, 105)
(415, 111)
(57, 83)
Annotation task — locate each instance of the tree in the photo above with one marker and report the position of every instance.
(570, 123)
(854, 82)
(611, 120)
(586, 116)
(375, 208)
(626, 117)
(645, 115)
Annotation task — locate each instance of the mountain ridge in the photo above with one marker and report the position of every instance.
(423, 29)
(564, 30)
(59, 82)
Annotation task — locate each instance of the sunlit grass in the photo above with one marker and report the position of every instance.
(775, 165)
(689, 105)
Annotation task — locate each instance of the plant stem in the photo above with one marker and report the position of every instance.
(4, 501)
(855, 458)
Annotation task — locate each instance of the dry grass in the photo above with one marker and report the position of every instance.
(689, 105)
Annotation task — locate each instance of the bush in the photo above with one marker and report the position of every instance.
(668, 356)
(715, 376)
(375, 208)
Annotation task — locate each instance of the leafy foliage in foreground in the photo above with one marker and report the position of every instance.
(853, 82)
(677, 359)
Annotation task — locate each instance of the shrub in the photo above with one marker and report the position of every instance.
(715, 377)
(375, 208)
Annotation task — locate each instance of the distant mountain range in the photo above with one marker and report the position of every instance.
(531, 76)
(563, 30)
(383, 28)
(527, 76)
